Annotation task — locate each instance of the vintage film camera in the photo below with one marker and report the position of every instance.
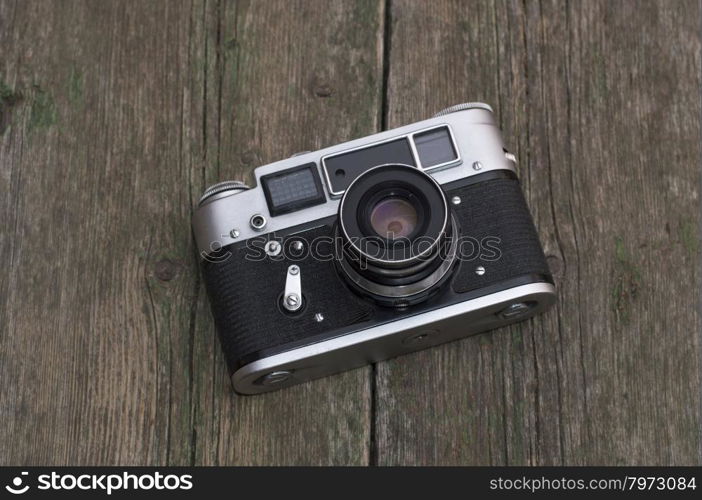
(368, 250)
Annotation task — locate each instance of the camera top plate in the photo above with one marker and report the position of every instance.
(225, 218)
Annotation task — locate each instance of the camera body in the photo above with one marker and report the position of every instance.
(370, 249)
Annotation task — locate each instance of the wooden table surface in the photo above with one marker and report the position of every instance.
(114, 116)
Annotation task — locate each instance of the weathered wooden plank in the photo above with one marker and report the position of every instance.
(600, 101)
(114, 118)
(97, 288)
(111, 126)
(293, 76)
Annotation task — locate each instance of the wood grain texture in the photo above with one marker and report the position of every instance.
(115, 115)
(94, 190)
(601, 103)
(293, 76)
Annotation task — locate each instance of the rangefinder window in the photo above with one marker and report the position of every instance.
(293, 190)
(435, 147)
(342, 169)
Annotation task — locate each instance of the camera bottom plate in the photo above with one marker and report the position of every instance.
(389, 340)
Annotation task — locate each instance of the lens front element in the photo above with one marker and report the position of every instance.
(394, 217)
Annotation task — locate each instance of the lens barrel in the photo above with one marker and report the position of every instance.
(396, 238)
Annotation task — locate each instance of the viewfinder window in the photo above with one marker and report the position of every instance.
(435, 147)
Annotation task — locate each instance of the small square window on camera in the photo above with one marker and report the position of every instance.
(435, 147)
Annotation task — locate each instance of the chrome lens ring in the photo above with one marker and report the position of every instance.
(406, 294)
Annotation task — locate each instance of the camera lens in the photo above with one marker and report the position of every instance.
(393, 217)
(396, 235)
